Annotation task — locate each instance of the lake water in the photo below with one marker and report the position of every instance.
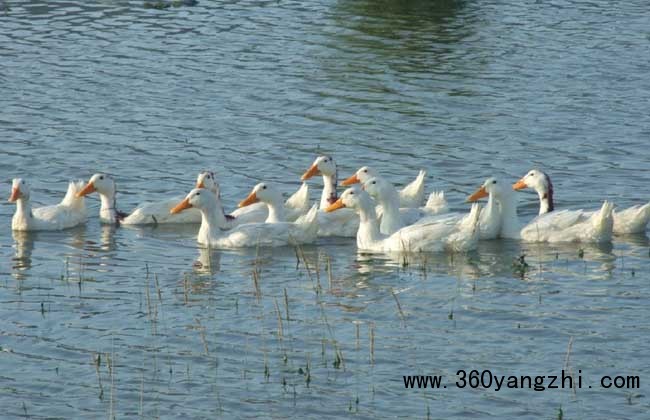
(100, 322)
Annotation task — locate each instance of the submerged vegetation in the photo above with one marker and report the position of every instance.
(312, 328)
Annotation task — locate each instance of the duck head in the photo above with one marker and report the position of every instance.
(491, 186)
(534, 179)
(19, 189)
(323, 165)
(353, 198)
(100, 183)
(262, 192)
(541, 183)
(360, 176)
(377, 187)
(208, 181)
(200, 198)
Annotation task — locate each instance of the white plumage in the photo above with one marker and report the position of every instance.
(564, 226)
(273, 233)
(440, 235)
(411, 196)
(70, 212)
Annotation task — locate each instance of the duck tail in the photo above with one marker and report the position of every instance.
(300, 199)
(603, 221)
(632, 220)
(470, 222)
(71, 199)
(437, 203)
(415, 189)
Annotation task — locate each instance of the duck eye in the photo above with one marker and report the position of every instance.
(365, 170)
(198, 193)
(374, 182)
(351, 192)
(494, 182)
(22, 182)
(264, 187)
(101, 177)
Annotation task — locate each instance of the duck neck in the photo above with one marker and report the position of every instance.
(225, 221)
(546, 200)
(391, 220)
(369, 232)
(329, 191)
(212, 220)
(510, 227)
(276, 212)
(108, 210)
(491, 206)
(23, 210)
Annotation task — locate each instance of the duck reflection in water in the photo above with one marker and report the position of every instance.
(494, 258)
(107, 238)
(209, 261)
(23, 247)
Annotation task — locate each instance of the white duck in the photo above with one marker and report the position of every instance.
(342, 223)
(458, 236)
(434, 211)
(70, 212)
(631, 220)
(392, 217)
(563, 226)
(411, 196)
(303, 230)
(148, 213)
(294, 207)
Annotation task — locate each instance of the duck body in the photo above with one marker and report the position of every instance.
(343, 223)
(571, 226)
(411, 196)
(273, 233)
(302, 231)
(446, 235)
(631, 220)
(490, 219)
(565, 226)
(394, 218)
(70, 212)
(157, 212)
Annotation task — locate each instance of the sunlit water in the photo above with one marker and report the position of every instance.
(98, 322)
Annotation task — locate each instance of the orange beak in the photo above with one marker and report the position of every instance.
(183, 205)
(89, 188)
(354, 179)
(310, 172)
(252, 198)
(480, 193)
(15, 194)
(519, 185)
(338, 204)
